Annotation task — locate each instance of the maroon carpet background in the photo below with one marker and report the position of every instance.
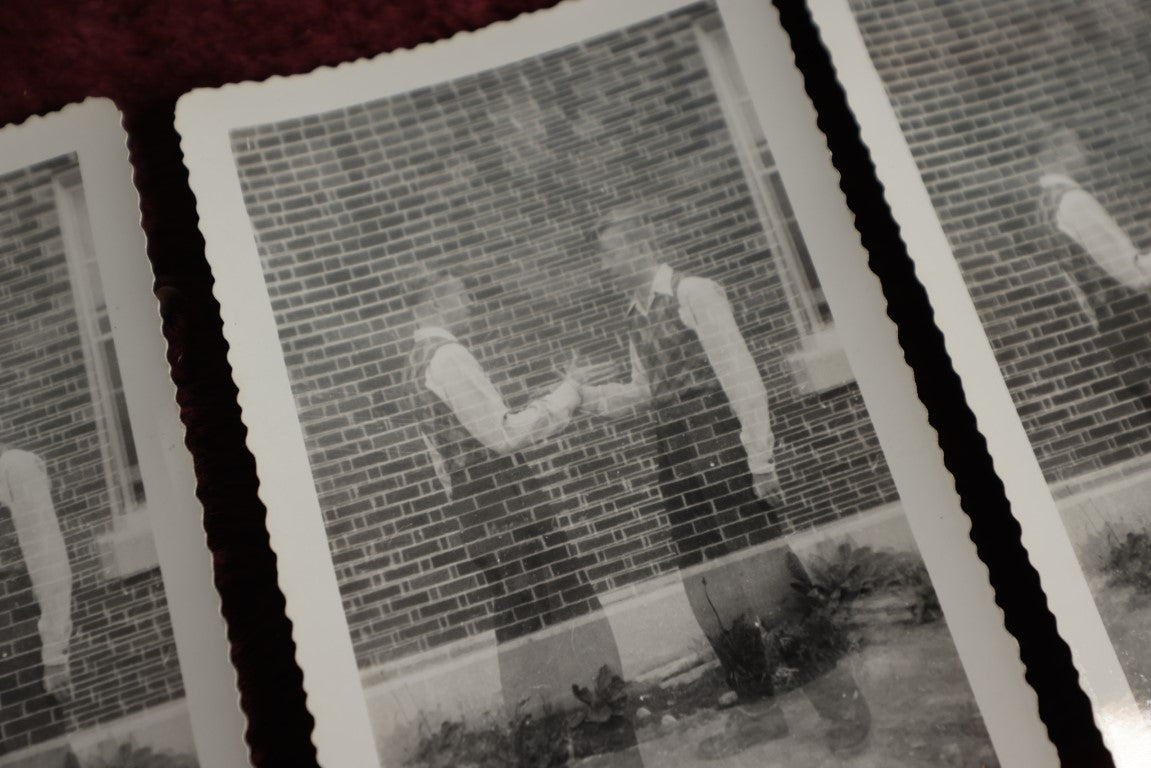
(144, 55)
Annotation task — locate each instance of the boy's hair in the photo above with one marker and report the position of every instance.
(635, 220)
(423, 284)
(1050, 142)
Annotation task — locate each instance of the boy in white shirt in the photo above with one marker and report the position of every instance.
(508, 532)
(717, 473)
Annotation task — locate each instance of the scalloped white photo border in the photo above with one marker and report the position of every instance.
(92, 131)
(335, 698)
(1126, 732)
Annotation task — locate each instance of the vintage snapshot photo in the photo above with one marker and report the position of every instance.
(560, 427)
(112, 649)
(1013, 146)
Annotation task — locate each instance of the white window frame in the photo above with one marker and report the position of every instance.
(128, 547)
(819, 363)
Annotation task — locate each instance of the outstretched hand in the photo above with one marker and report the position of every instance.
(583, 373)
(58, 681)
(767, 487)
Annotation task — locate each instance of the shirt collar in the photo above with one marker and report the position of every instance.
(660, 283)
(1049, 180)
(425, 332)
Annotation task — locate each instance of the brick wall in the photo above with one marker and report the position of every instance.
(502, 176)
(122, 654)
(970, 80)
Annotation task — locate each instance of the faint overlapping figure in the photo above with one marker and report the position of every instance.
(508, 534)
(717, 473)
(35, 602)
(1110, 276)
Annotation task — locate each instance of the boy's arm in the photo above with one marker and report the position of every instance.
(42, 546)
(617, 398)
(1081, 217)
(456, 377)
(709, 313)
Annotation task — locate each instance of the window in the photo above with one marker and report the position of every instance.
(121, 464)
(820, 363)
(779, 222)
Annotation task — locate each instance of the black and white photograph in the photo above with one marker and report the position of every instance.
(1027, 130)
(90, 674)
(560, 441)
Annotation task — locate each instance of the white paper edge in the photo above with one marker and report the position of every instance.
(1124, 729)
(940, 527)
(204, 119)
(93, 131)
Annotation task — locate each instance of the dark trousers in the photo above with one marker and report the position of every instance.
(1124, 317)
(512, 537)
(704, 479)
(713, 511)
(534, 578)
(28, 714)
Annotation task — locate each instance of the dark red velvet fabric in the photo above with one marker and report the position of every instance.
(144, 55)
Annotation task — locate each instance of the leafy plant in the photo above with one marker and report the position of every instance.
(523, 741)
(543, 742)
(911, 574)
(456, 744)
(130, 755)
(801, 650)
(743, 655)
(607, 699)
(758, 659)
(547, 739)
(832, 584)
(1129, 561)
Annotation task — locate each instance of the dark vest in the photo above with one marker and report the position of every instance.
(12, 567)
(454, 443)
(11, 558)
(670, 351)
(16, 598)
(28, 714)
(486, 487)
(19, 637)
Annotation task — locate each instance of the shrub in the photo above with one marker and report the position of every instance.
(801, 650)
(911, 573)
(831, 585)
(457, 744)
(1128, 562)
(543, 742)
(523, 741)
(743, 654)
(551, 739)
(606, 700)
(129, 755)
(759, 660)
(601, 724)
